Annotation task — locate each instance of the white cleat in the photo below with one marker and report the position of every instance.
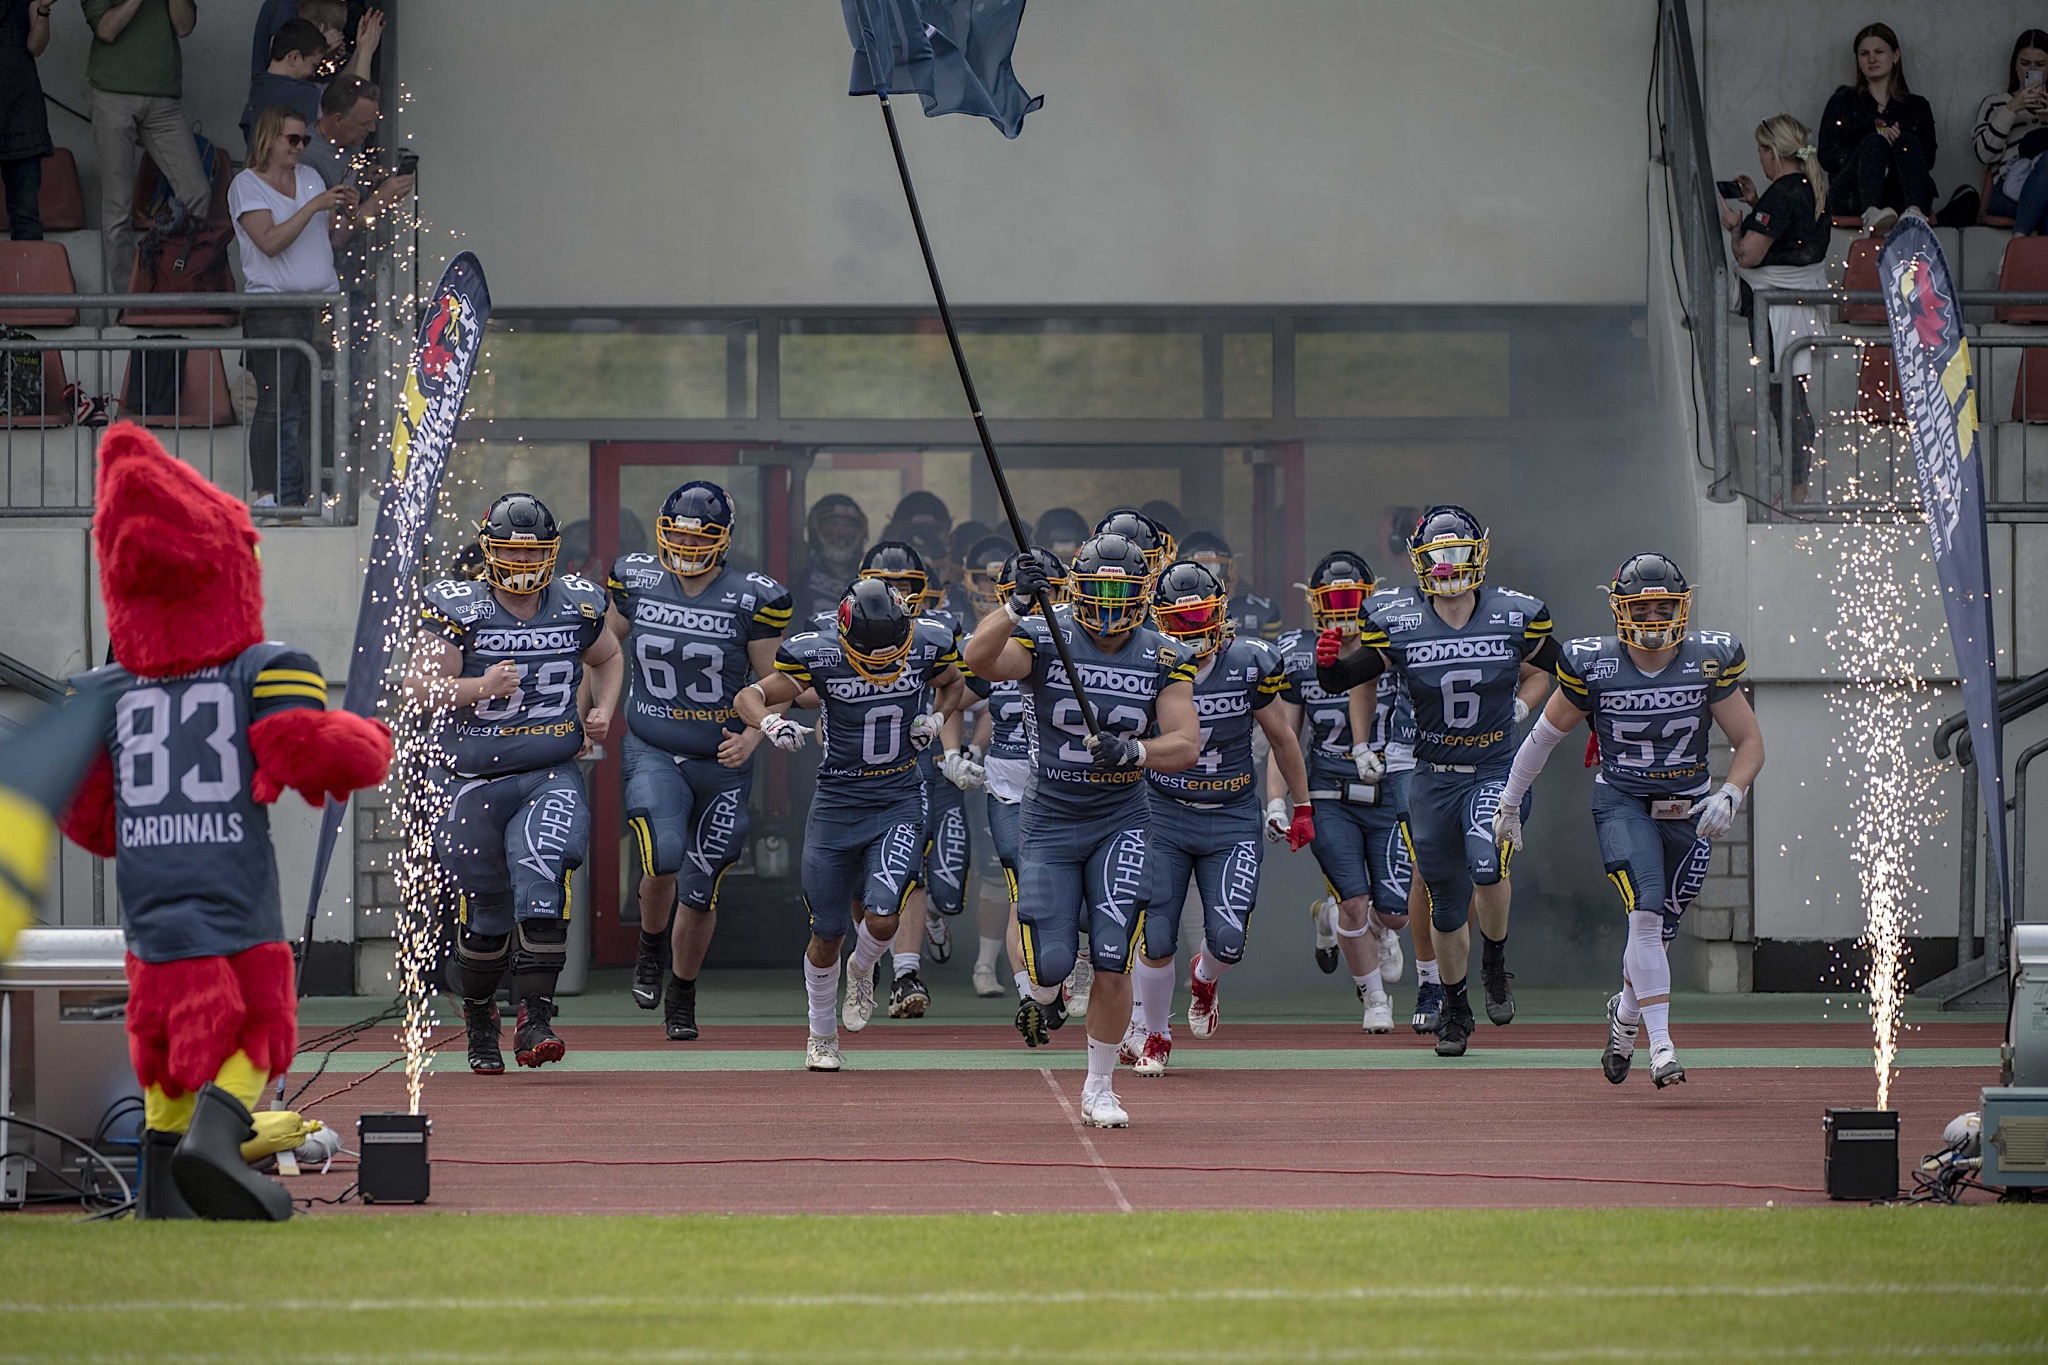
(1379, 1012)
(1133, 1045)
(860, 1000)
(1391, 961)
(1100, 1108)
(1153, 1057)
(1080, 982)
(985, 984)
(821, 1054)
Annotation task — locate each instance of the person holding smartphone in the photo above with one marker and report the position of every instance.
(1877, 137)
(2012, 132)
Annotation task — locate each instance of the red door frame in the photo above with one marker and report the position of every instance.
(612, 943)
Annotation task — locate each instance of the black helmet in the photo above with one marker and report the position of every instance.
(922, 506)
(1055, 571)
(1164, 515)
(930, 545)
(1189, 604)
(836, 531)
(1448, 550)
(902, 567)
(1141, 531)
(694, 529)
(1108, 584)
(981, 569)
(1337, 589)
(523, 522)
(1213, 553)
(965, 537)
(1651, 602)
(1060, 526)
(874, 629)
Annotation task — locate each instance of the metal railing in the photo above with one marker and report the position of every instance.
(1694, 207)
(1863, 467)
(47, 456)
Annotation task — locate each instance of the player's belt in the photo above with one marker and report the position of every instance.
(1315, 795)
(1451, 767)
(1201, 805)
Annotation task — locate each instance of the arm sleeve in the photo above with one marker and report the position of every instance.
(770, 619)
(1545, 655)
(1993, 131)
(1837, 137)
(1772, 213)
(1917, 118)
(289, 681)
(1356, 671)
(1529, 760)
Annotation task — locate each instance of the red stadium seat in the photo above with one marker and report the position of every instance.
(57, 410)
(203, 398)
(36, 268)
(61, 203)
(1861, 273)
(2025, 267)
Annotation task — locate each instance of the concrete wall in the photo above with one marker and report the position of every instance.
(703, 152)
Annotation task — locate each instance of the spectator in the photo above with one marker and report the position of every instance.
(138, 83)
(24, 129)
(1877, 137)
(835, 537)
(295, 52)
(1781, 243)
(333, 19)
(349, 111)
(2012, 132)
(286, 221)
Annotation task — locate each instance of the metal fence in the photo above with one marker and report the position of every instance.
(87, 376)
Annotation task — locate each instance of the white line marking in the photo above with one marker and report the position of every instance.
(1087, 1143)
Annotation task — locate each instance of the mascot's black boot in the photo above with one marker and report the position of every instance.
(156, 1194)
(209, 1169)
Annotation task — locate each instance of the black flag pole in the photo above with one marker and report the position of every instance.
(988, 445)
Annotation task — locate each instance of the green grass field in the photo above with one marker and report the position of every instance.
(1764, 1284)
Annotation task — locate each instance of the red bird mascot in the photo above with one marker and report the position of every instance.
(210, 724)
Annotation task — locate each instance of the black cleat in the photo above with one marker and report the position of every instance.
(1032, 1022)
(480, 1017)
(1327, 959)
(1614, 1063)
(650, 969)
(1056, 1014)
(1429, 1007)
(679, 1010)
(1500, 1000)
(908, 999)
(534, 1043)
(1455, 1029)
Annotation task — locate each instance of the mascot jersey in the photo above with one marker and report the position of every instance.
(535, 725)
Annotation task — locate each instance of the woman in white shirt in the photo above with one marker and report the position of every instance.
(287, 225)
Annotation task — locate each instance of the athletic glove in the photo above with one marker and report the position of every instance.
(1521, 710)
(784, 733)
(1302, 830)
(1277, 819)
(1327, 646)
(1371, 767)
(962, 771)
(1717, 812)
(1115, 751)
(1507, 826)
(924, 729)
(1032, 579)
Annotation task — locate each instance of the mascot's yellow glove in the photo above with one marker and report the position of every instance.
(278, 1130)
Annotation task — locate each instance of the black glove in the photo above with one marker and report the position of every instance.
(1115, 751)
(1031, 581)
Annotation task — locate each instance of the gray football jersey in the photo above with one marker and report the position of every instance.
(687, 656)
(1652, 729)
(1006, 737)
(1461, 681)
(1254, 617)
(864, 727)
(1328, 750)
(536, 725)
(1242, 677)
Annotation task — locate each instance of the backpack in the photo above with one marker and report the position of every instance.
(21, 377)
(190, 257)
(155, 378)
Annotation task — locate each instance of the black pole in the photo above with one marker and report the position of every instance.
(988, 445)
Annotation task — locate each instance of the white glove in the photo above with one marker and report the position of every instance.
(962, 771)
(1507, 826)
(1278, 816)
(1521, 710)
(1717, 812)
(784, 733)
(924, 729)
(1371, 767)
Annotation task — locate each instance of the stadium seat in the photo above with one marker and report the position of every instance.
(61, 204)
(203, 398)
(36, 268)
(57, 404)
(1861, 273)
(2025, 268)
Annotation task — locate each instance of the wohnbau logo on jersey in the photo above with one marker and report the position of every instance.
(1426, 652)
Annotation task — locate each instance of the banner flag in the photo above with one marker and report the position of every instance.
(953, 54)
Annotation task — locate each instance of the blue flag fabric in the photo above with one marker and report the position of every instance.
(1940, 398)
(955, 54)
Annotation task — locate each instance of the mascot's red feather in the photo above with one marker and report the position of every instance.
(211, 722)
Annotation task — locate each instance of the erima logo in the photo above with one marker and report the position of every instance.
(524, 641)
(1101, 679)
(1653, 699)
(1423, 653)
(676, 617)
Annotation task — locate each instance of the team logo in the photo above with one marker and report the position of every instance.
(1603, 669)
(1407, 620)
(1710, 668)
(1515, 620)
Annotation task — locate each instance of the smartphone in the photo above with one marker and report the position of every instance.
(1729, 189)
(2032, 79)
(408, 163)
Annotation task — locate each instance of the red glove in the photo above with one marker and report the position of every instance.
(1327, 645)
(1303, 830)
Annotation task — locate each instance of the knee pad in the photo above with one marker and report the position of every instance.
(1446, 920)
(661, 853)
(1049, 964)
(1624, 884)
(543, 945)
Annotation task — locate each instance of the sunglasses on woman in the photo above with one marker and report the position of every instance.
(296, 139)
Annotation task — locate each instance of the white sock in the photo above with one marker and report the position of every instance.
(1657, 1019)
(1426, 972)
(1628, 1011)
(1209, 967)
(906, 963)
(1023, 980)
(1647, 970)
(985, 959)
(867, 950)
(1370, 983)
(1152, 988)
(1101, 1061)
(821, 984)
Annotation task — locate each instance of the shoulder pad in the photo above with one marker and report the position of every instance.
(766, 587)
(460, 599)
(638, 572)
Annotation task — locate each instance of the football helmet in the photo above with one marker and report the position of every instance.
(1189, 605)
(1213, 553)
(1062, 585)
(900, 566)
(1651, 602)
(835, 532)
(1108, 583)
(982, 570)
(1061, 530)
(875, 626)
(694, 529)
(925, 506)
(519, 523)
(1449, 551)
(1337, 590)
(1142, 532)
(964, 538)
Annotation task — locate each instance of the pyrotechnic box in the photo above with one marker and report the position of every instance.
(393, 1165)
(1862, 1160)
(2015, 1144)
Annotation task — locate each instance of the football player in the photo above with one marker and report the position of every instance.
(1475, 659)
(1061, 530)
(503, 659)
(882, 676)
(693, 630)
(1205, 818)
(1358, 776)
(1148, 535)
(1084, 828)
(835, 533)
(1654, 691)
(1253, 617)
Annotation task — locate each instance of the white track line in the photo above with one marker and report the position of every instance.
(1087, 1143)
